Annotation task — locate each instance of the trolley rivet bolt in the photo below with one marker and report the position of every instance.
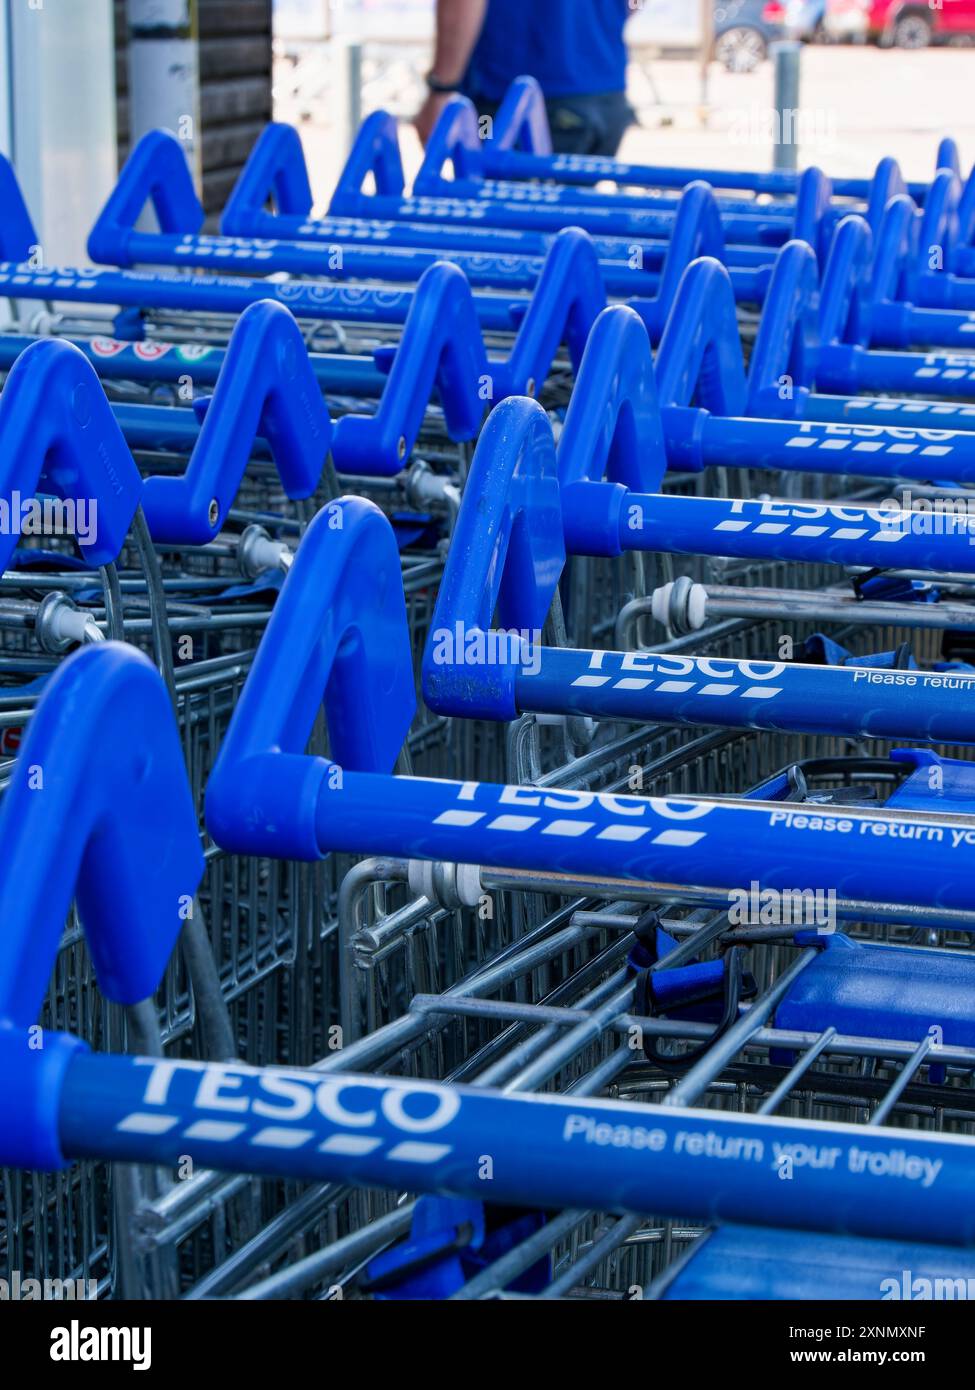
(530, 386)
(401, 447)
(213, 512)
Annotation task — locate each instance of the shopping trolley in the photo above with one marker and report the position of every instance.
(906, 232)
(947, 204)
(126, 1130)
(441, 341)
(519, 146)
(610, 882)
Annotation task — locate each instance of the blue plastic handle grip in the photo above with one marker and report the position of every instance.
(786, 346)
(156, 172)
(700, 357)
(647, 687)
(506, 555)
(442, 345)
(360, 253)
(18, 236)
(337, 636)
(613, 428)
(275, 168)
(98, 809)
(133, 873)
(226, 294)
(58, 434)
(549, 1151)
(874, 856)
(266, 387)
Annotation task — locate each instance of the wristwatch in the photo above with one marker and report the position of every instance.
(435, 84)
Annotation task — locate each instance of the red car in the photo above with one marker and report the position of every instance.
(900, 23)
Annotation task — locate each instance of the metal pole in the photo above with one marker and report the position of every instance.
(164, 72)
(355, 89)
(785, 56)
(707, 43)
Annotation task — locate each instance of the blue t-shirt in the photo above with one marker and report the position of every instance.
(569, 46)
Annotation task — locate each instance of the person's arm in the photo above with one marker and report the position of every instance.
(459, 23)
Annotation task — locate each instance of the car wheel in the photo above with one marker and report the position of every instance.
(740, 49)
(913, 31)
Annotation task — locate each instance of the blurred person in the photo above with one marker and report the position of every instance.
(573, 48)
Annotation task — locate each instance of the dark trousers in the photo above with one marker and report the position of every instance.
(593, 123)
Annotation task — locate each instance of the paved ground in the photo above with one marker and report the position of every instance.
(857, 105)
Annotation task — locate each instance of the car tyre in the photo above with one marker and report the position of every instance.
(912, 31)
(740, 49)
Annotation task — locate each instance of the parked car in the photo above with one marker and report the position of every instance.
(900, 23)
(806, 19)
(743, 29)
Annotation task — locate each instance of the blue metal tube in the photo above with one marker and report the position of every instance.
(906, 325)
(649, 687)
(340, 261)
(540, 215)
(548, 1151)
(805, 531)
(844, 367)
(228, 294)
(577, 199)
(867, 449)
(867, 855)
(171, 362)
(571, 170)
(873, 410)
(290, 227)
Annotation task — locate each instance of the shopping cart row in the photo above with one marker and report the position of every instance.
(689, 874)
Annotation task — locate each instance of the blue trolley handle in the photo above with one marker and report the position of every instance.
(521, 127)
(338, 637)
(361, 251)
(266, 388)
(134, 877)
(700, 361)
(99, 809)
(442, 346)
(156, 172)
(275, 168)
(507, 555)
(548, 1151)
(58, 434)
(454, 139)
